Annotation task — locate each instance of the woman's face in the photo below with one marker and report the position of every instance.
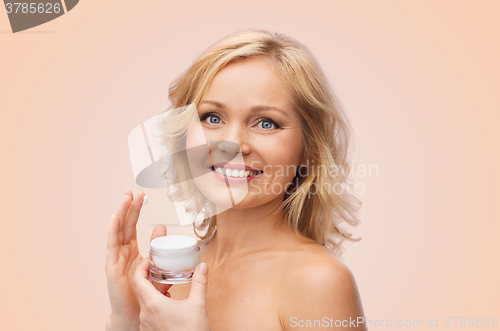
(247, 120)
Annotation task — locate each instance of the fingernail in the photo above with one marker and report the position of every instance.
(145, 200)
(203, 268)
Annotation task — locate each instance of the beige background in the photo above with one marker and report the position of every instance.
(419, 81)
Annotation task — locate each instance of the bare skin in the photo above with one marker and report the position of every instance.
(261, 275)
(288, 277)
(265, 288)
(122, 259)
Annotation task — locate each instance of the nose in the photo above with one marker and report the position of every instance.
(229, 147)
(233, 142)
(224, 151)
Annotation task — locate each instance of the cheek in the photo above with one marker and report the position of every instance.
(195, 137)
(281, 158)
(197, 152)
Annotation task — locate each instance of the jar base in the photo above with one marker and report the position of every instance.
(170, 277)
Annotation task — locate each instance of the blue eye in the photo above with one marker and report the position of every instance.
(217, 120)
(267, 124)
(214, 119)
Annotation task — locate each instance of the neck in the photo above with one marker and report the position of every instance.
(246, 230)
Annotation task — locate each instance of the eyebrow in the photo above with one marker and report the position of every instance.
(254, 109)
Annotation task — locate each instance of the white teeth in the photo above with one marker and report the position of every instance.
(235, 173)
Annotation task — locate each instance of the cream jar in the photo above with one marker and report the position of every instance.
(172, 259)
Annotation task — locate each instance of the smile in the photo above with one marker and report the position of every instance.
(240, 175)
(235, 173)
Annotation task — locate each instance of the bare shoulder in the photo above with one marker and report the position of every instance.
(317, 268)
(318, 286)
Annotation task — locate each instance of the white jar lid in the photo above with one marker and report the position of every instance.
(174, 244)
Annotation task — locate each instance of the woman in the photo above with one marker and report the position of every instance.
(273, 257)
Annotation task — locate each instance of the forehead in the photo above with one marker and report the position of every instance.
(247, 82)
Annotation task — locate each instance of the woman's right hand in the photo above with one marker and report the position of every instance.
(122, 259)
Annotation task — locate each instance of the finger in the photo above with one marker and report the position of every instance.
(114, 242)
(142, 285)
(130, 231)
(115, 231)
(130, 194)
(199, 284)
(121, 214)
(159, 231)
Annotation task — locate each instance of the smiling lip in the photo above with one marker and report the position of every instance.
(235, 166)
(234, 180)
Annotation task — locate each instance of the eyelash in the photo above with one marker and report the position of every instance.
(262, 119)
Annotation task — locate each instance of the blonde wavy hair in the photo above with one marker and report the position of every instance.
(326, 136)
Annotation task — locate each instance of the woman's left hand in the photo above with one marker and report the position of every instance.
(159, 312)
